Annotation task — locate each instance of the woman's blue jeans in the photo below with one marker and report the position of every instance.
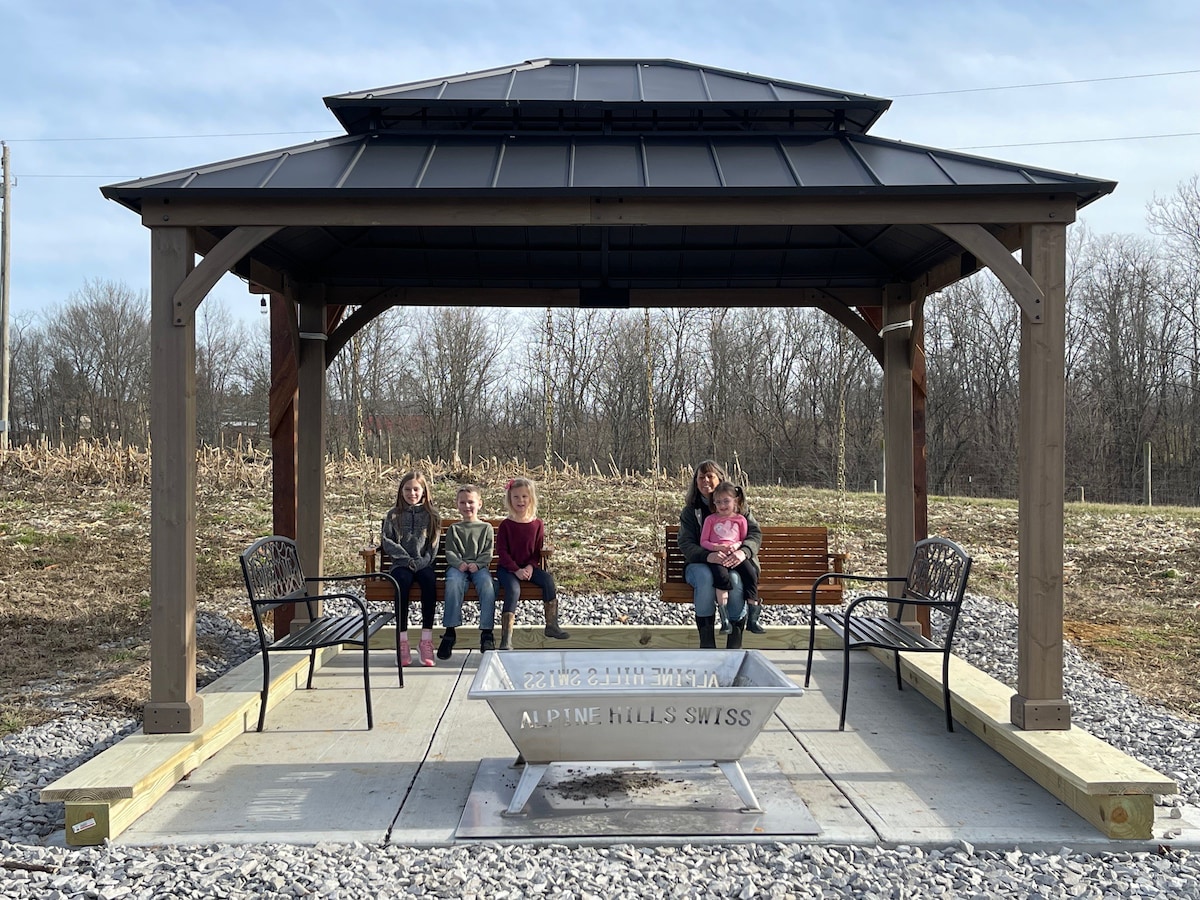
(704, 595)
(456, 589)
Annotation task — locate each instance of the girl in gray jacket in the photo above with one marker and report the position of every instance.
(409, 536)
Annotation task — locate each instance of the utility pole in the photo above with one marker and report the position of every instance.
(5, 219)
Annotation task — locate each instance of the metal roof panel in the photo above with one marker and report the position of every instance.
(753, 163)
(680, 164)
(617, 82)
(825, 162)
(614, 163)
(535, 164)
(396, 163)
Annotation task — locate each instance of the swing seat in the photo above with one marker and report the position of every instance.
(375, 560)
(793, 559)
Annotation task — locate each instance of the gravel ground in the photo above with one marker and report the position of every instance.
(33, 758)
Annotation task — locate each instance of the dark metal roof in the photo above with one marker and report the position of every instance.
(609, 131)
(382, 165)
(608, 96)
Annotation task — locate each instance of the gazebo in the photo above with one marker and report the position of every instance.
(626, 183)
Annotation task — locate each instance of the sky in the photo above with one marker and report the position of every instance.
(94, 92)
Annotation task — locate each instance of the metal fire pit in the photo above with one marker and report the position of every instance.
(612, 706)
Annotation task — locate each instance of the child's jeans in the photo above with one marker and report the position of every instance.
(511, 585)
(456, 589)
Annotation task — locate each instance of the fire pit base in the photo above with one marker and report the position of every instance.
(632, 799)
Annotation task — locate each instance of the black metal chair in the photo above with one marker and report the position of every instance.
(271, 568)
(936, 580)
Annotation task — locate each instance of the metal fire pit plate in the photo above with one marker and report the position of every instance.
(607, 706)
(632, 800)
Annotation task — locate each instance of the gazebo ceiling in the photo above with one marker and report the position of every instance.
(493, 179)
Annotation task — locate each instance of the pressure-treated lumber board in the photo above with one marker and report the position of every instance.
(1100, 783)
(108, 792)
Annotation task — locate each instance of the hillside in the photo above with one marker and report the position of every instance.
(74, 560)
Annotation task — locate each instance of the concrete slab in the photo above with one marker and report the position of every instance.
(894, 776)
(911, 779)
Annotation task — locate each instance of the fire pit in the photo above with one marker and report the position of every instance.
(612, 706)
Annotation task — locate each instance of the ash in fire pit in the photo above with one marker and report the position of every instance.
(617, 783)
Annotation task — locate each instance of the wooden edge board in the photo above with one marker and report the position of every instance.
(615, 637)
(1101, 784)
(104, 795)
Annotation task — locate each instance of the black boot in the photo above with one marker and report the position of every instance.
(734, 641)
(447, 645)
(706, 625)
(753, 610)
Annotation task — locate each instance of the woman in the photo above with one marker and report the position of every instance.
(696, 508)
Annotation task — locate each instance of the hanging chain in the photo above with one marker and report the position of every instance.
(839, 532)
(547, 385)
(652, 431)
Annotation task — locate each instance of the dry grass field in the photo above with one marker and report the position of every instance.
(74, 560)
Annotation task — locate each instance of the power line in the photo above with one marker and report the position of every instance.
(160, 137)
(1132, 137)
(1036, 84)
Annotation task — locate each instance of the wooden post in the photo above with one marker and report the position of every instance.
(919, 444)
(898, 427)
(174, 707)
(310, 431)
(282, 415)
(1038, 703)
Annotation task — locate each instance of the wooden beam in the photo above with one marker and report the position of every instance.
(232, 248)
(627, 210)
(174, 707)
(310, 431)
(1039, 702)
(281, 411)
(854, 322)
(898, 428)
(999, 259)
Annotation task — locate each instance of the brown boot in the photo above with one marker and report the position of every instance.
(552, 629)
(507, 620)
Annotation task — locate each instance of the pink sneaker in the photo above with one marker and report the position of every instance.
(425, 649)
(405, 653)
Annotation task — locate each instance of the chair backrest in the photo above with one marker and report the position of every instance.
(271, 568)
(938, 573)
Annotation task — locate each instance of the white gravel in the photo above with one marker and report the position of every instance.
(34, 757)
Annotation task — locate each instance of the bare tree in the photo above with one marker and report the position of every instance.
(454, 358)
(101, 344)
(220, 343)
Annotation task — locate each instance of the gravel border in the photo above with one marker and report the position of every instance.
(34, 757)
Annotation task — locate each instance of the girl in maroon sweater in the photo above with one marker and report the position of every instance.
(519, 540)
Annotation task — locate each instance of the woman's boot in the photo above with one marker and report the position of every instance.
(724, 618)
(752, 612)
(734, 641)
(705, 625)
(507, 620)
(552, 629)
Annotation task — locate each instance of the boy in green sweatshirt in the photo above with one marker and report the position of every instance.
(469, 548)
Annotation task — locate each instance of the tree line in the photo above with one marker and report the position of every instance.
(785, 391)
